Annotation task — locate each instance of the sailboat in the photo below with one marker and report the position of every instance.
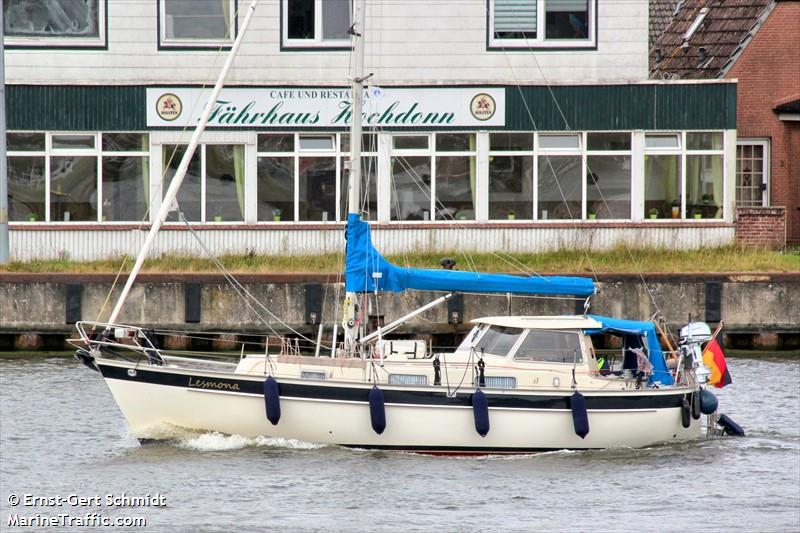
(516, 384)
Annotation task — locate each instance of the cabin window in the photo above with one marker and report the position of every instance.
(499, 382)
(313, 374)
(550, 347)
(316, 23)
(35, 23)
(408, 379)
(197, 23)
(498, 340)
(541, 23)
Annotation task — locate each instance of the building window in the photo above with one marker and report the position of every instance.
(368, 204)
(125, 177)
(34, 23)
(663, 176)
(411, 172)
(197, 23)
(303, 177)
(455, 177)
(704, 174)
(59, 177)
(559, 183)
(541, 23)
(433, 184)
(213, 188)
(608, 175)
(316, 23)
(27, 177)
(752, 172)
(510, 176)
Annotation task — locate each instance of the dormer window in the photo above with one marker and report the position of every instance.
(701, 16)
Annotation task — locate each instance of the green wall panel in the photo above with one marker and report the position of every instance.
(646, 106)
(75, 108)
(622, 107)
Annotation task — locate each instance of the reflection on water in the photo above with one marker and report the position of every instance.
(62, 434)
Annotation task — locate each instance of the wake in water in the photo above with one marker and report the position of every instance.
(208, 442)
(215, 441)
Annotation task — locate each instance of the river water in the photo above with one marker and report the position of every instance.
(62, 435)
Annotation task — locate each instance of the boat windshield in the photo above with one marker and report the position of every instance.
(550, 347)
(498, 340)
(469, 339)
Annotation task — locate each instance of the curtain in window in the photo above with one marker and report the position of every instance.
(146, 174)
(238, 173)
(562, 6)
(472, 170)
(514, 15)
(54, 18)
(226, 11)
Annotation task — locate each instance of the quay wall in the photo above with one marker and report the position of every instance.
(39, 310)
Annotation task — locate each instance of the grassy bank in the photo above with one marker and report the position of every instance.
(621, 260)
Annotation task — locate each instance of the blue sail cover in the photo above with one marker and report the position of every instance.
(366, 270)
(647, 330)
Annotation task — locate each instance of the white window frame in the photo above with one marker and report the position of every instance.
(57, 41)
(540, 41)
(74, 152)
(296, 154)
(118, 153)
(588, 153)
(680, 151)
(166, 42)
(580, 151)
(765, 144)
(317, 41)
(686, 152)
(511, 153)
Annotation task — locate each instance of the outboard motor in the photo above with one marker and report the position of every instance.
(693, 335)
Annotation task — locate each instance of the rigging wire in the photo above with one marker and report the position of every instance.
(603, 198)
(152, 195)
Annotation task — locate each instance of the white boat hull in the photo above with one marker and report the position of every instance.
(157, 398)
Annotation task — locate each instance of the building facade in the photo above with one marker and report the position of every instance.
(489, 125)
(756, 43)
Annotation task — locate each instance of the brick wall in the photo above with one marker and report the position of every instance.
(769, 73)
(761, 226)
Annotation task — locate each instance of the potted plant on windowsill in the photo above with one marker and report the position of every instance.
(276, 214)
(511, 215)
(697, 214)
(591, 214)
(676, 209)
(653, 213)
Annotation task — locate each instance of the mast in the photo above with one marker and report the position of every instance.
(349, 318)
(172, 191)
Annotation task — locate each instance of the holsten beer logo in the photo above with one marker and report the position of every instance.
(482, 106)
(169, 107)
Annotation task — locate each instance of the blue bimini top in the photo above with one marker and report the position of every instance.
(647, 332)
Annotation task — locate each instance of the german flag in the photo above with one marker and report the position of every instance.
(714, 359)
